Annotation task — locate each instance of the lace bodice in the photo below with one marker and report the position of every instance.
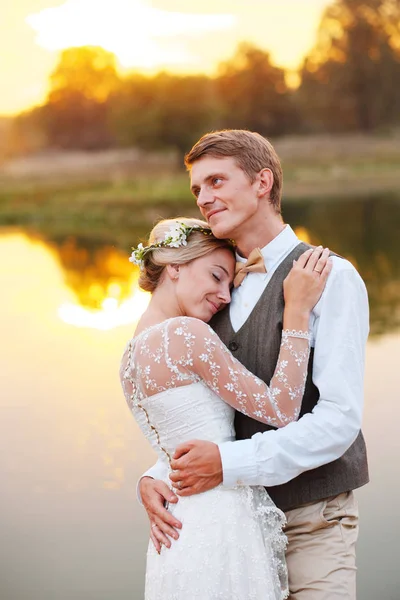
(180, 380)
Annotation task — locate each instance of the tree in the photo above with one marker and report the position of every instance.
(77, 109)
(165, 111)
(349, 79)
(25, 133)
(253, 93)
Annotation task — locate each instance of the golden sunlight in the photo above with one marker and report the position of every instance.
(303, 234)
(111, 314)
(147, 35)
(118, 304)
(139, 35)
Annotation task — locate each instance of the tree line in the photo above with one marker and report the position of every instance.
(348, 82)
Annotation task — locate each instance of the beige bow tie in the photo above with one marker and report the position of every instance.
(254, 264)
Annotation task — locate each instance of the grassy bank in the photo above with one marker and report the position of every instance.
(105, 194)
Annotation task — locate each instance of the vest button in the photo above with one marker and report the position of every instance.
(233, 346)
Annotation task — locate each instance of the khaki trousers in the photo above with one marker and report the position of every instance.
(321, 550)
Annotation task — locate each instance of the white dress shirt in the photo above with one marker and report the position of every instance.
(339, 324)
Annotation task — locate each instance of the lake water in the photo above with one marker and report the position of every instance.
(70, 452)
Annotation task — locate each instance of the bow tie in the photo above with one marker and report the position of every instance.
(254, 264)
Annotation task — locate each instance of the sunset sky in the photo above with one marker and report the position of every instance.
(147, 35)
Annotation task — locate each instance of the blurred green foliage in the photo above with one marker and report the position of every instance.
(350, 80)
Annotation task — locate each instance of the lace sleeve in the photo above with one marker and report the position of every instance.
(196, 348)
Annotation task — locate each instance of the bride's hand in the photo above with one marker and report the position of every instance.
(306, 281)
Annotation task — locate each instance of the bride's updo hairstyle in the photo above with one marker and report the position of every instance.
(199, 243)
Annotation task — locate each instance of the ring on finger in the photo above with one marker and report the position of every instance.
(154, 525)
(179, 484)
(319, 272)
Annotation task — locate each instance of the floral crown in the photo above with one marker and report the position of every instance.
(175, 237)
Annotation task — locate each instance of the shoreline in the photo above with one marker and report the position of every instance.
(100, 193)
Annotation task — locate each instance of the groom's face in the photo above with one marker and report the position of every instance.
(226, 197)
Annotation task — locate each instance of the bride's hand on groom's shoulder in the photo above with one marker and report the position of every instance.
(197, 467)
(155, 495)
(307, 279)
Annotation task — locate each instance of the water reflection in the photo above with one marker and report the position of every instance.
(111, 313)
(52, 377)
(95, 272)
(67, 442)
(104, 285)
(70, 453)
(104, 282)
(366, 231)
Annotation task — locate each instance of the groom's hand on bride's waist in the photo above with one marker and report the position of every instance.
(197, 467)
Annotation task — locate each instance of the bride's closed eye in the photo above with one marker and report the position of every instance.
(217, 277)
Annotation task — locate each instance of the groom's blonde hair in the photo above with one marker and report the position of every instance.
(251, 151)
(198, 244)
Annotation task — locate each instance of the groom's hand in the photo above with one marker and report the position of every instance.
(197, 467)
(155, 494)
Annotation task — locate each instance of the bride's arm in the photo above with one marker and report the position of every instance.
(198, 350)
(195, 347)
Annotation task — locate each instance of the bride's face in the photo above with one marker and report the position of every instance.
(203, 285)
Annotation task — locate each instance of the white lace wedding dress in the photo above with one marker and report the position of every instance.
(182, 383)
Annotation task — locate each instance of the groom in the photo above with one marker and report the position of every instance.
(311, 467)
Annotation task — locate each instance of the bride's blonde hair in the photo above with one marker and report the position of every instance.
(199, 243)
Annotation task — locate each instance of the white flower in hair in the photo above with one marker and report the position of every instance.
(176, 236)
(135, 257)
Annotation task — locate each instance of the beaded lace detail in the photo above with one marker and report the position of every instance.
(184, 350)
(305, 335)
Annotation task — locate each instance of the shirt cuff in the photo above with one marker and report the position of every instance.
(239, 466)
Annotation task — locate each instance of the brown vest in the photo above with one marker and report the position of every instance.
(256, 345)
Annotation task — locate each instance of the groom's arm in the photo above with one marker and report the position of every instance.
(275, 457)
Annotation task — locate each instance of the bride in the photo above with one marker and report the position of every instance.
(181, 383)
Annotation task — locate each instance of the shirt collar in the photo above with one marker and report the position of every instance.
(277, 248)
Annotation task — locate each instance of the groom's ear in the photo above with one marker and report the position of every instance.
(265, 181)
(173, 271)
